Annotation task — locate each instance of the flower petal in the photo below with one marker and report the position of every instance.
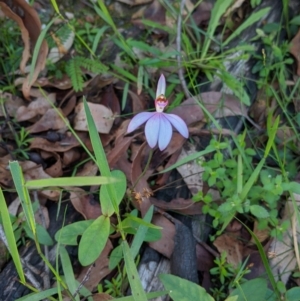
(178, 124)
(138, 120)
(165, 132)
(152, 129)
(161, 86)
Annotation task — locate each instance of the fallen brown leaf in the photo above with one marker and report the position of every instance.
(99, 271)
(84, 204)
(217, 103)
(165, 245)
(49, 121)
(295, 50)
(38, 107)
(232, 246)
(102, 297)
(102, 115)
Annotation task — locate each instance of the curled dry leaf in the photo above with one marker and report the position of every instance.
(102, 115)
(89, 169)
(49, 121)
(84, 203)
(55, 170)
(63, 83)
(11, 104)
(30, 26)
(38, 107)
(66, 143)
(232, 246)
(70, 157)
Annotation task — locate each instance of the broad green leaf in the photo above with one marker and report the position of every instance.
(42, 234)
(9, 232)
(138, 292)
(93, 240)
(70, 181)
(133, 221)
(68, 235)
(119, 187)
(293, 294)
(259, 211)
(68, 271)
(184, 290)
(115, 257)
(292, 187)
(251, 290)
(232, 298)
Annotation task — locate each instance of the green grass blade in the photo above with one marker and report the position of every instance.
(264, 260)
(70, 181)
(189, 158)
(40, 295)
(217, 12)
(239, 174)
(68, 271)
(125, 95)
(141, 233)
(23, 194)
(37, 48)
(138, 292)
(251, 20)
(100, 158)
(9, 232)
(272, 130)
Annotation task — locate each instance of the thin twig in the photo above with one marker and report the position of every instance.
(84, 280)
(178, 47)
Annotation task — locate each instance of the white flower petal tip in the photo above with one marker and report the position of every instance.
(161, 86)
(178, 124)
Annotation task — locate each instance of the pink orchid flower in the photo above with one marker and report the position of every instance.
(158, 127)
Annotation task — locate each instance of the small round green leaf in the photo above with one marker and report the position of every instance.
(94, 240)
